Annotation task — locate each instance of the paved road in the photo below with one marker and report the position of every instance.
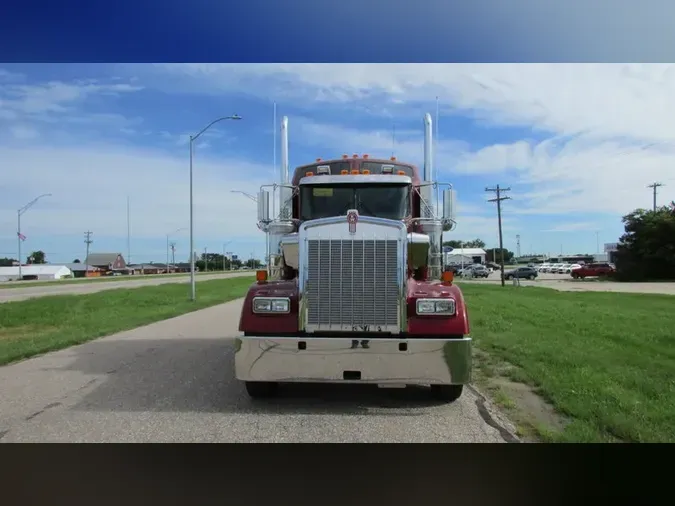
(565, 283)
(31, 292)
(173, 381)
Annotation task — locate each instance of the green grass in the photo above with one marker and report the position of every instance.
(49, 323)
(606, 361)
(27, 284)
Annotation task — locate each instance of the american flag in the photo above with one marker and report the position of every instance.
(21, 236)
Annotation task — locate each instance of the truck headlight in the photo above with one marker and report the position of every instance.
(271, 305)
(436, 306)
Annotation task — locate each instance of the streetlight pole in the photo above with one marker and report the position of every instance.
(193, 285)
(168, 267)
(19, 212)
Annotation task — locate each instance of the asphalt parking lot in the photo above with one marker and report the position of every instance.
(564, 282)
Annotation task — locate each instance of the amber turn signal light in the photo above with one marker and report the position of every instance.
(261, 276)
(447, 276)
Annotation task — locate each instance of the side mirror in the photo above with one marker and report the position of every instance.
(263, 206)
(449, 203)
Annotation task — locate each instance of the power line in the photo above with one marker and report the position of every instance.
(654, 186)
(499, 191)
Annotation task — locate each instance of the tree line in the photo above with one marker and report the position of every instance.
(209, 261)
(646, 251)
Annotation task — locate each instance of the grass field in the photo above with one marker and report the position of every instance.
(102, 279)
(39, 325)
(605, 361)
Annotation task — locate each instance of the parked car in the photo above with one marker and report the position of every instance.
(571, 267)
(544, 267)
(475, 271)
(521, 272)
(454, 268)
(593, 270)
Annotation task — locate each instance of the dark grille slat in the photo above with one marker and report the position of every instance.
(352, 283)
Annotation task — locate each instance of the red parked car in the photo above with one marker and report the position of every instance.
(593, 270)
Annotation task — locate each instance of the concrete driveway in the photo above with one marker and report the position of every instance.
(86, 286)
(173, 381)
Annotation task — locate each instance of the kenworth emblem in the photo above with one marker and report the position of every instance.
(352, 219)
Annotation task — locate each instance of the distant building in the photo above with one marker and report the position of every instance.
(464, 255)
(146, 268)
(35, 271)
(107, 261)
(81, 270)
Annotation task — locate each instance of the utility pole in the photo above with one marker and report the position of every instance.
(87, 240)
(173, 254)
(654, 186)
(128, 232)
(518, 245)
(206, 261)
(498, 199)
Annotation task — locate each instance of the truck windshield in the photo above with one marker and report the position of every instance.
(389, 201)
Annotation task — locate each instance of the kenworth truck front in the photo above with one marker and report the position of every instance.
(355, 290)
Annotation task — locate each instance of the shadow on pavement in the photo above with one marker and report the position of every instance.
(197, 375)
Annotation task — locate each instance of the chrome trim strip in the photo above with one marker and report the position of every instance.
(325, 360)
(355, 179)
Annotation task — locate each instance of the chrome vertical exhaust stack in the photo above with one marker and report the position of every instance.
(428, 174)
(285, 192)
(282, 226)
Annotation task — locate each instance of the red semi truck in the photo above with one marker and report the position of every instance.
(354, 290)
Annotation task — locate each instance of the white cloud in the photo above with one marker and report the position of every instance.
(574, 227)
(22, 132)
(600, 99)
(607, 133)
(58, 99)
(610, 126)
(90, 186)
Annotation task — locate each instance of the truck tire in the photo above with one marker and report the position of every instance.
(261, 389)
(447, 393)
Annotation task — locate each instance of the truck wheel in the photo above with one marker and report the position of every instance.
(261, 389)
(447, 393)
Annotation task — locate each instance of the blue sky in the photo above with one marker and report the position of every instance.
(576, 143)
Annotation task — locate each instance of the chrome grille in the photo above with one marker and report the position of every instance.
(352, 283)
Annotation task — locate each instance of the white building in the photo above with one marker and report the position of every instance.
(465, 255)
(35, 271)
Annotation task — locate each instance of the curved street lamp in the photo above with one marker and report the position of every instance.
(19, 235)
(193, 285)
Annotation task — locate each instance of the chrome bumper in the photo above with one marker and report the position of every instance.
(343, 360)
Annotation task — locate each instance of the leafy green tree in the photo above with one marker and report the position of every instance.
(7, 262)
(646, 251)
(476, 243)
(37, 257)
(495, 255)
